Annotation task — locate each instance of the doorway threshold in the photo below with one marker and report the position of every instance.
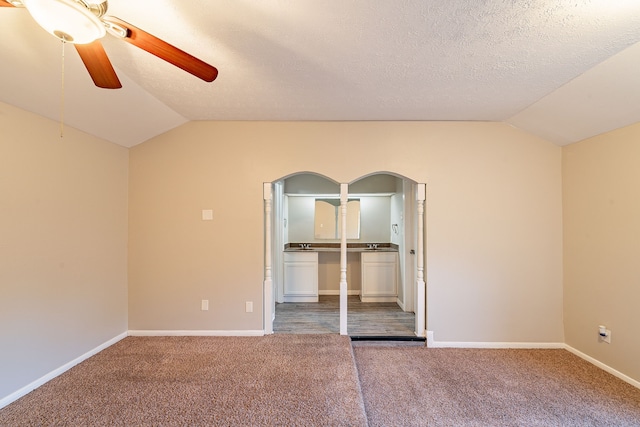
(387, 338)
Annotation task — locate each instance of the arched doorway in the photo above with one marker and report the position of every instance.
(392, 217)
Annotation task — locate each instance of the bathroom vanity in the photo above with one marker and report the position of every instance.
(376, 281)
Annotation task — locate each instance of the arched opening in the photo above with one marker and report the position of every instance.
(309, 273)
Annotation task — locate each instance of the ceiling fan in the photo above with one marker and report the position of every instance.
(84, 23)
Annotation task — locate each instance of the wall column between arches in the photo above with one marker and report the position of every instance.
(344, 197)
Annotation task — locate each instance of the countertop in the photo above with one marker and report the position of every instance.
(335, 247)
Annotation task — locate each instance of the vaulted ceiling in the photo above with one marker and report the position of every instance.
(561, 69)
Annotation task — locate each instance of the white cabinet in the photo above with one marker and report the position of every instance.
(300, 276)
(379, 276)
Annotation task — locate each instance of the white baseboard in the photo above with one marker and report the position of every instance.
(337, 292)
(601, 365)
(481, 344)
(51, 375)
(431, 343)
(196, 333)
(474, 344)
(455, 344)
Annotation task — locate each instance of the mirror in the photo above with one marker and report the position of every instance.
(327, 219)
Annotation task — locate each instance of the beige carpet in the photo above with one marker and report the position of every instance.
(292, 380)
(311, 380)
(416, 386)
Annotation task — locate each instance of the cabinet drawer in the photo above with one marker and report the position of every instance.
(301, 256)
(378, 256)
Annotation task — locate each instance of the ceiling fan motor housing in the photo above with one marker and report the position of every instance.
(98, 9)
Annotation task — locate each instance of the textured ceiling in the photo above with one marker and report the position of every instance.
(564, 70)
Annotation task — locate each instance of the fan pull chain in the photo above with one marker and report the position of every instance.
(62, 94)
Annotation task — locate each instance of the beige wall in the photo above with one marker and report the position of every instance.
(601, 179)
(494, 231)
(329, 273)
(494, 217)
(63, 245)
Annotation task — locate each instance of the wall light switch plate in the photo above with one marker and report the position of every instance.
(248, 306)
(205, 305)
(207, 215)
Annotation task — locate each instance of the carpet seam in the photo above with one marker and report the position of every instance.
(357, 373)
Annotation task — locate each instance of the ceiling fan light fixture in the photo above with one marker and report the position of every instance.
(67, 20)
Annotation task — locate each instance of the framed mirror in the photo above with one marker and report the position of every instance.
(327, 223)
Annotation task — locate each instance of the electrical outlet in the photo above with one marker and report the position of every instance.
(205, 305)
(248, 306)
(604, 334)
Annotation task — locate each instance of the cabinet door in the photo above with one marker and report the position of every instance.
(301, 277)
(379, 277)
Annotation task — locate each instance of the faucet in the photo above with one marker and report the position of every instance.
(305, 246)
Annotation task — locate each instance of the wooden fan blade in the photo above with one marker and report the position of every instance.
(165, 51)
(98, 65)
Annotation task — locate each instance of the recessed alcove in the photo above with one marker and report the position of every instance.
(386, 221)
